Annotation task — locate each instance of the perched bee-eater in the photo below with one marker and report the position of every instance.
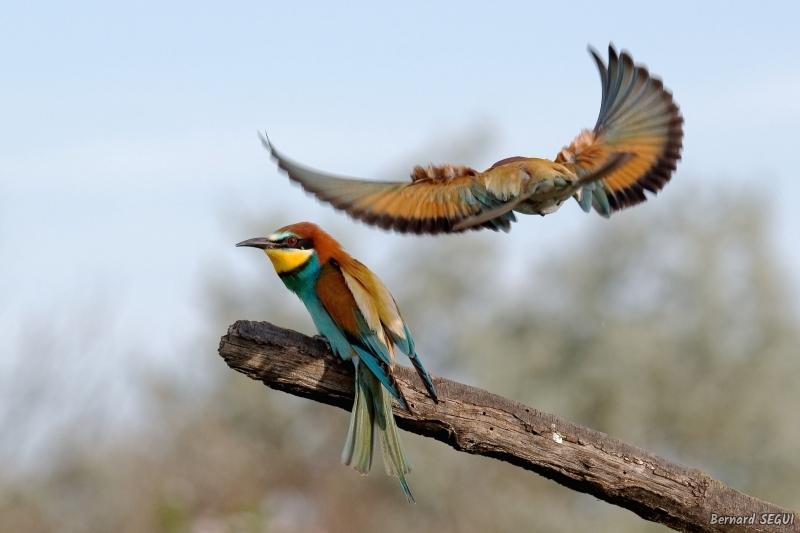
(634, 147)
(355, 312)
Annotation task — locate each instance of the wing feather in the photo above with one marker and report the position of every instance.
(381, 312)
(637, 116)
(435, 201)
(353, 320)
(615, 161)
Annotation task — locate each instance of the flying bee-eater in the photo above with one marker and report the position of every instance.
(634, 147)
(358, 316)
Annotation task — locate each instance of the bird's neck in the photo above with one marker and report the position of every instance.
(303, 277)
(286, 260)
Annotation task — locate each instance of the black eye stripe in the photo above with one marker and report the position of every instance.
(301, 244)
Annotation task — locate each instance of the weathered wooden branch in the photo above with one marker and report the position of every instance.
(474, 421)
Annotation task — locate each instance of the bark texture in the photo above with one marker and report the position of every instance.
(478, 422)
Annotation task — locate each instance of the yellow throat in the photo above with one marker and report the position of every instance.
(285, 260)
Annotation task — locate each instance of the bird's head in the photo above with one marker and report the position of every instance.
(292, 247)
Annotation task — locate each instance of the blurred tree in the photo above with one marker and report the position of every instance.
(665, 327)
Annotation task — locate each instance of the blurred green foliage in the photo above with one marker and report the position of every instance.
(667, 328)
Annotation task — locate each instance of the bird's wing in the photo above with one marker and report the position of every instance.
(637, 116)
(614, 161)
(382, 314)
(434, 201)
(370, 344)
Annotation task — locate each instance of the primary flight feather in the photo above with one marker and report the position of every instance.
(634, 147)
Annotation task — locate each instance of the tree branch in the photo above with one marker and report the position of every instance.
(474, 421)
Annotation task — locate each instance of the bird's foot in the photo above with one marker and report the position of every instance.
(323, 339)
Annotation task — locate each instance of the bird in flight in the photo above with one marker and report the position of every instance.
(358, 316)
(634, 147)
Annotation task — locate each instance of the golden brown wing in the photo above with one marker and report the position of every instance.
(614, 161)
(435, 201)
(637, 116)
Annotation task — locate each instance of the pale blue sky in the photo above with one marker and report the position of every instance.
(128, 127)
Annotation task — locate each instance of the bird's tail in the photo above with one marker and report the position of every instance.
(357, 451)
(372, 417)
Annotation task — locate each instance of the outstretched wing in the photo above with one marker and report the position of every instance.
(637, 116)
(436, 199)
(562, 190)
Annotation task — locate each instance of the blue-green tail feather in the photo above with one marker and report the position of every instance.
(358, 446)
(372, 412)
(426, 378)
(406, 345)
(594, 195)
(381, 371)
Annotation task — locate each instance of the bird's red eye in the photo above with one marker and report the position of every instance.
(291, 241)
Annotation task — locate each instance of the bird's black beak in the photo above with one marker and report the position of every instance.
(259, 242)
